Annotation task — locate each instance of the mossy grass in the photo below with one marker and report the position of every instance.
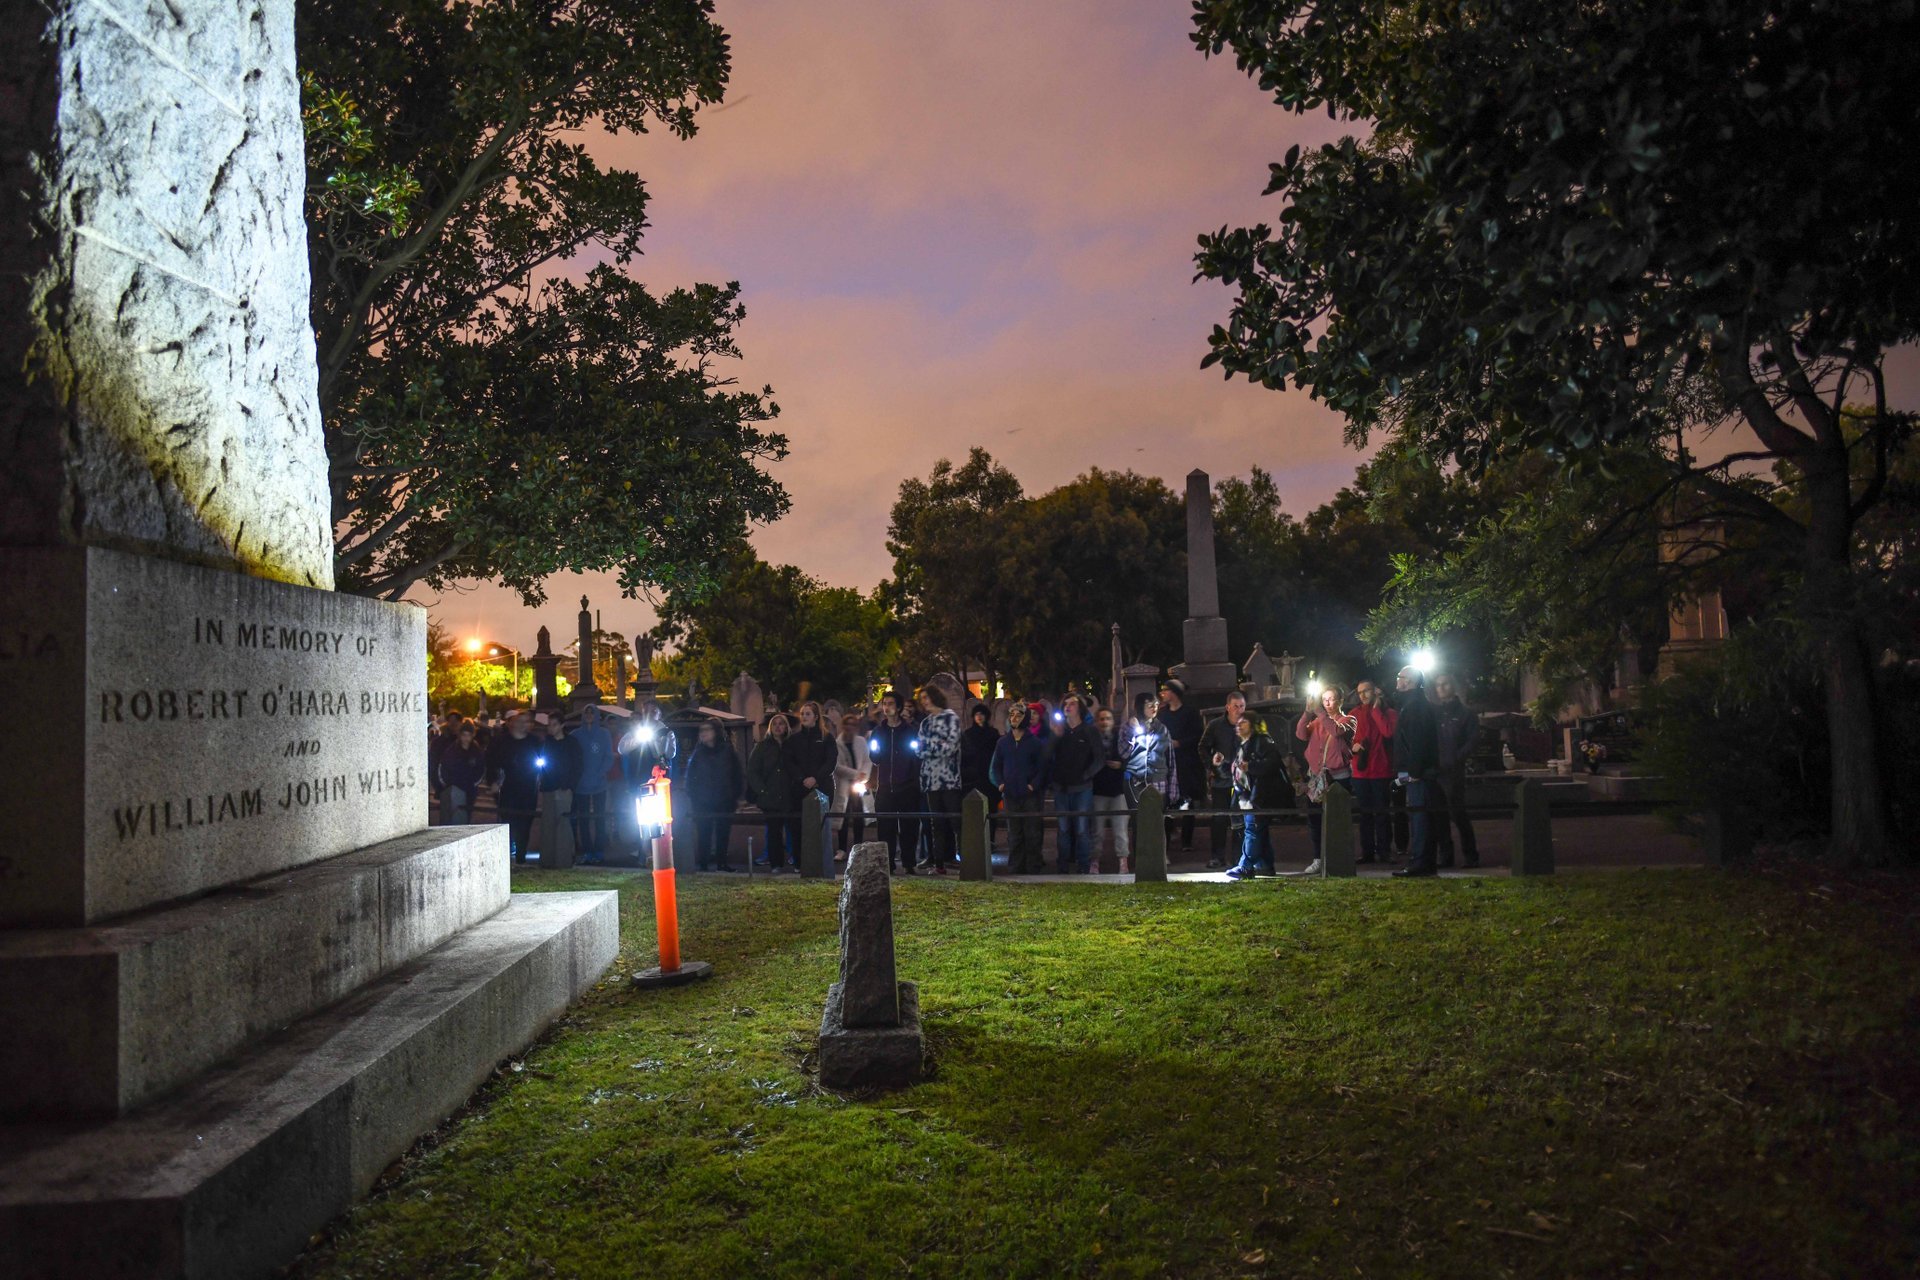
(1682, 1073)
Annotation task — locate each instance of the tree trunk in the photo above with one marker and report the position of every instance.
(1860, 800)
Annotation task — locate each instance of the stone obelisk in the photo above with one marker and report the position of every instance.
(239, 973)
(1208, 672)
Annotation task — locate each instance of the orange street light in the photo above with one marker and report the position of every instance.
(653, 810)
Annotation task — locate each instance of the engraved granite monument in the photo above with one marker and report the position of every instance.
(238, 972)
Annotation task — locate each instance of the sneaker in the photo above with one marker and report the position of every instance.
(1313, 868)
(1239, 874)
(1415, 873)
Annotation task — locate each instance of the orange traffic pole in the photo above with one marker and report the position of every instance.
(666, 902)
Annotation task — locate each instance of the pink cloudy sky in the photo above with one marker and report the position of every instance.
(961, 224)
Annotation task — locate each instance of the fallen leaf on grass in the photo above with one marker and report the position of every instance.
(1255, 1258)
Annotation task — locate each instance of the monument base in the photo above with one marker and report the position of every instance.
(105, 1018)
(689, 971)
(872, 1057)
(233, 1174)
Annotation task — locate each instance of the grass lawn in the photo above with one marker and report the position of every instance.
(1677, 1073)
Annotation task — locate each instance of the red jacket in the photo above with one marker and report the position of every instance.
(1327, 747)
(1373, 741)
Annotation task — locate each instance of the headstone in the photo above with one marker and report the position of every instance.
(746, 700)
(956, 693)
(228, 939)
(976, 856)
(1150, 839)
(1336, 833)
(1208, 673)
(870, 1034)
(1532, 831)
(814, 862)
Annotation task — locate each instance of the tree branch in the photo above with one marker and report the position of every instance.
(416, 244)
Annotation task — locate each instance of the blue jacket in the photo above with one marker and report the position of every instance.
(596, 757)
(1020, 763)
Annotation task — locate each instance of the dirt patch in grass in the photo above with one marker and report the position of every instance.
(1671, 1073)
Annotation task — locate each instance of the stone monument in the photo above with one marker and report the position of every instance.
(1208, 672)
(870, 1036)
(546, 672)
(585, 692)
(239, 974)
(645, 687)
(1262, 676)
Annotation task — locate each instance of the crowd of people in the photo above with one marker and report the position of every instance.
(902, 768)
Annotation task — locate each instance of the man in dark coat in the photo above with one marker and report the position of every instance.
(1219, 744)
(1416, 751)
(518, 760)
(711, 782)
(1077, 756)
(893, 750)
(462, 766)
(1182, 724)
(557, 779)
(1458, 727)
(594, 746)
(1019, 770)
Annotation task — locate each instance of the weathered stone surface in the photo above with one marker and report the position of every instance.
(157, 374)
(866, 940)
(103, 1019)
(872, 1057)
(192, 728)
(231, 1175)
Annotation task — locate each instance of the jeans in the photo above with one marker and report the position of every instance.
(711, 832)
(1111, 814)
(1025, 836)
(458, 809)
(900, 833)
(1372, 797)
(590, 823)
(1420, 841)
(1072, 804)
(1256, 844)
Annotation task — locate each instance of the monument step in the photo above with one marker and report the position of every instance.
(104, 1018)
(232, 1175)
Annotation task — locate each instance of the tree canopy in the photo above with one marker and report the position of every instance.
(1560, 214)
(501, 397)
(784, 628)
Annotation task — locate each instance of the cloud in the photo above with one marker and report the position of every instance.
(968, 223)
